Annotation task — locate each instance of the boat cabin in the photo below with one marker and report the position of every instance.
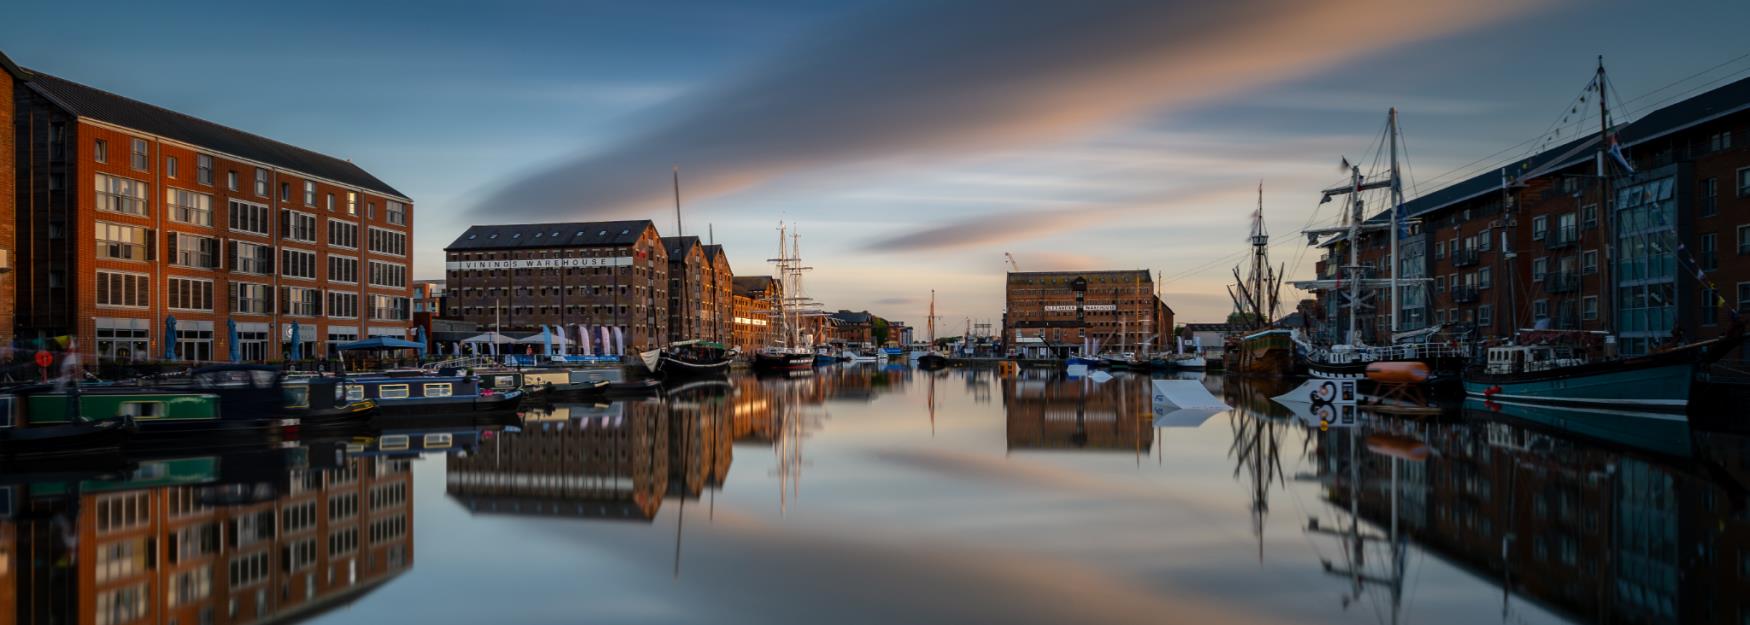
(1530, 358)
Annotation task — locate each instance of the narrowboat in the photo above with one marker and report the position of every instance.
(1660, 382)
(174, 414)
(431, 394)
(577, 381)
(265, 391)
(22, 436)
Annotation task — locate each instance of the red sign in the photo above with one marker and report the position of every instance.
(44, 358)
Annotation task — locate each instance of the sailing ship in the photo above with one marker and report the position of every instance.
(690, 358)
(1261, 349)
(789, 350)
(1351, 357)
(931, 359)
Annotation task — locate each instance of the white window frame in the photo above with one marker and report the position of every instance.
(284, 266)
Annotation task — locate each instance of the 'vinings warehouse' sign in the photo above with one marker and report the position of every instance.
(1072, 308)
(539, 263)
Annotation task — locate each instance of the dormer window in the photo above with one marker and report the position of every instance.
(471, 237)
(494, 236)
(537, 235)
(602, 233)
(623, 232)
(516, 235)
(579, 233)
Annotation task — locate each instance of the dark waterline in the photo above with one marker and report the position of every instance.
(884, 494)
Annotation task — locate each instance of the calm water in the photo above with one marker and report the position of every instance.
(884, 495)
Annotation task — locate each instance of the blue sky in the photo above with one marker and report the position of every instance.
(914, 143)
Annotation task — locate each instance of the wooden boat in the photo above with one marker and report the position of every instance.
(1269, 353)
(1543, 374)
(932, 361)
(431, 394)
(693, 359)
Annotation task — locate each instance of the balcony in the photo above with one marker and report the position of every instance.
(1561, 282)
(1561, 238)
(1464, 258)
(1464, 294)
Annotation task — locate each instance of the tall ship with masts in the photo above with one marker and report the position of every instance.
(789, 349)
(1354, 283)
(1261, 348)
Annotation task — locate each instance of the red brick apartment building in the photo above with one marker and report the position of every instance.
(600, 274)
(127, 214)
(1539, 249)
(1117, 308)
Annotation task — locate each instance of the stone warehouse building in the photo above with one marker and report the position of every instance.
(523, 276)
(1065, 308)
(118, 215)
(1530, 243)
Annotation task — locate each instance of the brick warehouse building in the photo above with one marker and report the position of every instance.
(698, 311)
(10, 75)
(750, 320)
(128, 214)
(719, 296)
(523, 276)
(1539, 249)
(1117, 308)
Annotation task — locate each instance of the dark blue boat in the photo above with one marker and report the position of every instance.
(431, 394)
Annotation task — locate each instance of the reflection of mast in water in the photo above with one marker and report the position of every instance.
(1256, 450)
(792, 427)
(932, 405)
(1355, 541)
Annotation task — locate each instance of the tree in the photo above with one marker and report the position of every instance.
(879, 329)
(1242, 318)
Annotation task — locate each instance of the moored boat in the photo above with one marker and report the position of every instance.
(22, 436)
(692, 359)
(783, 359)
(1269, 353)
(435, 394)
(1567, 376)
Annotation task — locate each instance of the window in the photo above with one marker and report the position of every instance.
(1483, 239)
(386, 495)
(285, 192)
(137, 157)
(122, 605)
(120, 559)
(1540, 309)
(298, 264)
(1710, 306)
(189, 250)
(194, 340)
(190, 294)
(251, 299)
(1589, 262)
(309, 193)
(121, 242)
(248, 570)
(395, 212)
(343, 305)
(1710, 252)
(1439, 249)
(261, 182)
(328, 200)
(123, 511)
(393, 391)
(352, 203)
(343, 542)
(300, 301)
(388, 242)
(1710, 196)
(190, 586)
(1539, 227)
(437, 389)
(189, 207)
(388, 528)
(123, 290)
(1485, 315)
(386, 274)
(1744, 182)
(343, 269)
(100, 151)
(170, 166)
(388, 308)
(121, 195)
(248, 217)
(298, 517)
(1539, 269)
(1483, 278)
(250, 258)
(298, 226)
(299, 554)
(1743, 295)
(231, 179)
(343, 506)
(1744, 240)
(1440, 284)
(122, 339)
(1589, 216)
(343, 234)
(203, 169)
(1719, 141)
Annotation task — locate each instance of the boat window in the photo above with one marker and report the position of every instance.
(438, 440)
(504, 381)
(392, 391)
(298, 396)
(141, 409)
(355, 392)
(393, 442)
(437, 389)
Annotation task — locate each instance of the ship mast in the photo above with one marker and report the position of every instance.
(1397, 205)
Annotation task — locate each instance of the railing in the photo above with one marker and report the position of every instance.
(1465, 258)
(464, 362)
(1464, 294)
(1561, 282)
(1559, 238)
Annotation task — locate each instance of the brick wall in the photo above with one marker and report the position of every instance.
(8, 207)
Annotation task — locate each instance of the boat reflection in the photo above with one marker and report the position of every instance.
(244, 537)
(1625, 529)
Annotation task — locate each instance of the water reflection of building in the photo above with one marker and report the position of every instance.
(1606, 534)
(613, 466)
(1069, 413)
(172, 543)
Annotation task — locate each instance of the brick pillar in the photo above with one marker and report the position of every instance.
(8, 206)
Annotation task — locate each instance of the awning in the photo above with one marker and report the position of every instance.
(378, 343)
(491, 337)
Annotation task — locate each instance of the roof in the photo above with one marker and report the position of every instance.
(1726, 100)
(712, 252)
(9, 67)
(1212, 327)
(1141, 275)
(749, 286)
(97, 104)
(567, 234)
(679, 247)
(853, 317)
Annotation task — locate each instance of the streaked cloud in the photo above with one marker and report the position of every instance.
(934, 80)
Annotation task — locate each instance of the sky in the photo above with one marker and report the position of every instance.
(911, 143)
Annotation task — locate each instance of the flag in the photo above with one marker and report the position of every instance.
(1616, 153)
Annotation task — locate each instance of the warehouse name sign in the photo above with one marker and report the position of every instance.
(1072, 308)
(539, 263)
